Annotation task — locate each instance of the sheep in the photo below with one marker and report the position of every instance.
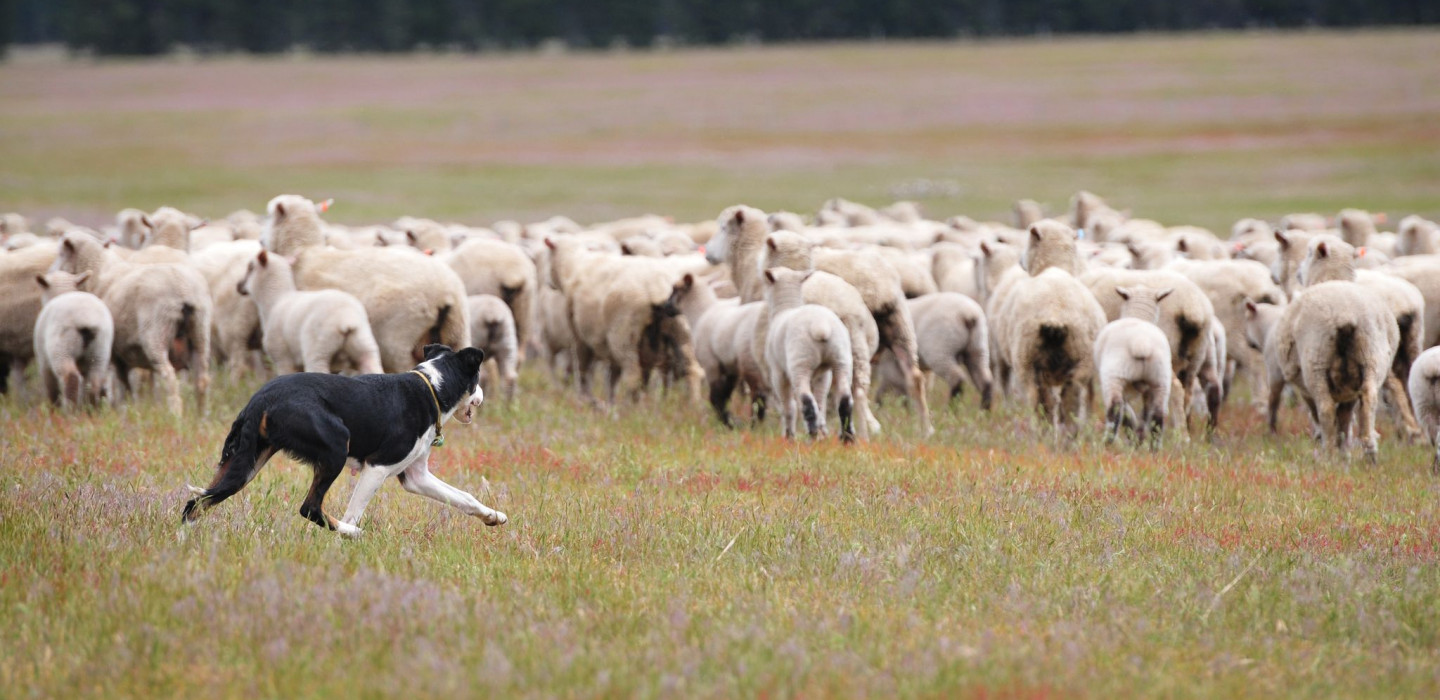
(133, 226)
(73, 338)
(1423, 271)
(307, 331)
(1357, 226)
(11, 224)
(492, 329)
(1307, 221)
(1417, 236)
(723, 330)
(1424, 387)
(614, 304)
(1331, 259)
(1132, 353)
(20, 302)
(1334, 344)
(953, 266)
(1228, 283)
(160, 311)
(954, 342)
(171, 228)
(411, 299)
(880, 287)
(740, 240)
(807, 348)
(1027, 212)
(1053, 321)
(235, 330)
(1048, 243)
(503, 270)
(1185, 317)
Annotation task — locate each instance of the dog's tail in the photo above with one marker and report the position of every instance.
(239, 460)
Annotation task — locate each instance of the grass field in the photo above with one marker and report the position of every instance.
(1199, 129)
(654, 553)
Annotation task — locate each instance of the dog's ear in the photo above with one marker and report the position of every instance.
(474, 356)
(434, 350)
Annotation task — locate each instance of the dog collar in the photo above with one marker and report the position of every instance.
(439, 440)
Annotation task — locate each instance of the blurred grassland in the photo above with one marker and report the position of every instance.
(1201, 129)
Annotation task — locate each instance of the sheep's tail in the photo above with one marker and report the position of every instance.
(180, 345)
(238, 464)
(1052, 357)
(437, 330)
(659, 313)
(492, 329)
(1403, 359)
(1141, 348)
(1190, 334)
(820, 331)
(1349, 369)
(87, 336)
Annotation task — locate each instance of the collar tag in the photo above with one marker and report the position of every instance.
(439, 440)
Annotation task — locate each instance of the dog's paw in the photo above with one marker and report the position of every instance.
(494, 518)
(195, 489)
(347, 530)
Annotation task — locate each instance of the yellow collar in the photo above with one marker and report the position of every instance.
(439, 436)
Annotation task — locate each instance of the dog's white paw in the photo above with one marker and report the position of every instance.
(494, 518)
(348, 530)
(195, 489)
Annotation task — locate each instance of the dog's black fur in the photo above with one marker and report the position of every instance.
(322, 419)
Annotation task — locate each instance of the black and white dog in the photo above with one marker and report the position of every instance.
(386, 423)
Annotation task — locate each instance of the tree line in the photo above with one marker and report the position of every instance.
(147, 27)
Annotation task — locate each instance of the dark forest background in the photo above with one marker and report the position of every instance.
(143, 27)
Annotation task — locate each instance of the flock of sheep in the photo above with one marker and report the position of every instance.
(812, 317)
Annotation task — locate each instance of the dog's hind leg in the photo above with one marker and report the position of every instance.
(417, 479)
(232, 474)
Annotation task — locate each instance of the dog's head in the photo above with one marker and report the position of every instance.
(443, 365)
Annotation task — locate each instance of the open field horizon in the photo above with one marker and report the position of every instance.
(1200, 129)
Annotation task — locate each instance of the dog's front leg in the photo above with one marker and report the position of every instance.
(417, 479)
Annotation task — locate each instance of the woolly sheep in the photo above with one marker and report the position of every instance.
(1027, 212)
(740, 241)
(880, 287)
(1185, 317)
(1357, 226)
(160, 311)
(20, 302)
(1331, 259)
(311, 331)
(1052, 324)
(502, 270)
(722, 330)
(1132, 354)
(1424, 388)
(807, 348)
(492, 329)
(1334, 344)
(1417, 236)
(235, 328)
(1228, 284)
(73, 338)
(411, 299)
(954, 344)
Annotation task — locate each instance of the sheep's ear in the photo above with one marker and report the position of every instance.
(1250, 308)
(263, 258)
(807, 275)
(411, 237)
(202, 223)
(41, 280)
(324, 206)
(279, 211)
(1181, 246)
(770, 243)
(1322, 250)
(769, 277)
(550, 243)
(1282, 239)
(145, 219)
(985, 249)
(1035, 232)
(1123, 292)
(687, 281)
(739, 217)
(625, 249)
(1134, 250)
(80, 278)
(111, 241)
(1162, 294)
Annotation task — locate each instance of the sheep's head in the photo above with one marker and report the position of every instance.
(1027, 212)
(1293, 247)
(1050, 243)
(786, 221)
(787, 249)
(78, 252)
(735, 226)
(296, 216)
(57, 282)
(1260, 319)
(1356, 225)
(1142, 302)
(1328, 258)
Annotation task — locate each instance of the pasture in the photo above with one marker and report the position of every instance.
(653, 552)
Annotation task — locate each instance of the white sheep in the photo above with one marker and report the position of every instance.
(723, 329)
(492, 329)
(20, 302)
(954, 343)
(1133, 354)
(73, 338)
(807, 349)
(1417, 236)
(411, 299)
(1424, 387)
(312, 331)
(502, 270)
(161, 311)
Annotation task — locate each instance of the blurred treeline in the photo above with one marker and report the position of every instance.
(140, 27)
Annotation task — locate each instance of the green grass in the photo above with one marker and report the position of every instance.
(658, 554)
